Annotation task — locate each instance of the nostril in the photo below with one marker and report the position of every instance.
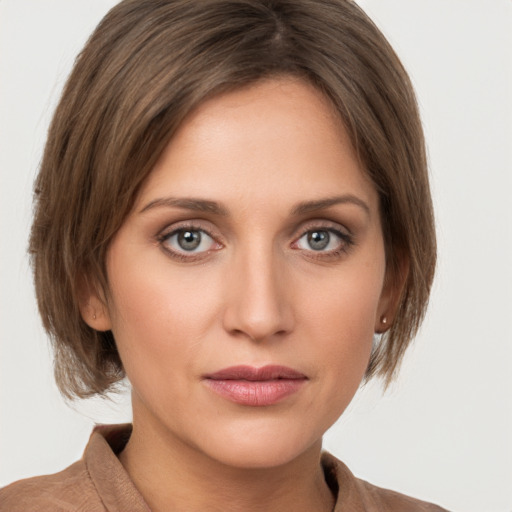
(257, 304)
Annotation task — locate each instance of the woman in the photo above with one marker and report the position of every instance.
(232, 203)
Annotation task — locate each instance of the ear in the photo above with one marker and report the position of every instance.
(394, 283)
(93, 306)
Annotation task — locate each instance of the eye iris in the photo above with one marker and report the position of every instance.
(318, 240)
(189, 240)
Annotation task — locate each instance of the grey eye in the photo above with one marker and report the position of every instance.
(322, 240)
(189, 240)
(318, 240)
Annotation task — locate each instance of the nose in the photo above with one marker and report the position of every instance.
(258, 303)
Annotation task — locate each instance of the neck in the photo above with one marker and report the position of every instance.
(171, 475)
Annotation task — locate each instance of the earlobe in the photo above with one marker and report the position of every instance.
(389, 303)
(95, 315)
(93, 308)
(382, 324)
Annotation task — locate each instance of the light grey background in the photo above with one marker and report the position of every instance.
(444, 430)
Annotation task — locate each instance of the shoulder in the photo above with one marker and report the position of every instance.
(386, 500)
(354, 494)
(96, 483)
(70, 490)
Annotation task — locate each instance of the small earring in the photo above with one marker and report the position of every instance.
(384, 320)
(94, 316)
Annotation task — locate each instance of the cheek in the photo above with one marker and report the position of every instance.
(347, 302)
(158, 314)
(339, 315)
(336, 337)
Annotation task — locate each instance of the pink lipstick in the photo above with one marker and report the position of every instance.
(255, 387)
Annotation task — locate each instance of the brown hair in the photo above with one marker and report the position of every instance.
(146, 66)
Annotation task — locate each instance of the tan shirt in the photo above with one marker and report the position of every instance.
(99, 483)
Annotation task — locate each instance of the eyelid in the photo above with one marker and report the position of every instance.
(342, 232)
(322, 224)
(193, 225)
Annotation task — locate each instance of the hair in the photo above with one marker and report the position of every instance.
(147, 65)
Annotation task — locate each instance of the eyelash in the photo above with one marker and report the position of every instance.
(346, 242)
(166, 235)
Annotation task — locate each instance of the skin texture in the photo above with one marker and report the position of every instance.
(253, 293)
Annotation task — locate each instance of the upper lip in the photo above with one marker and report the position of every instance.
(251, 373)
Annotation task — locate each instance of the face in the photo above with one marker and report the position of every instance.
(247, 283)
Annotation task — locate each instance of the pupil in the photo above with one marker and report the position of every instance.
(189, 240)
(318, 240)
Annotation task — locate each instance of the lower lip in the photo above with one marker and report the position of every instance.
(255, 393)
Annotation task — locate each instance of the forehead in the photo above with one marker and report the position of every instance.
(279, 139)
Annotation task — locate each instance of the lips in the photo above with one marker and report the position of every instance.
(255, 387)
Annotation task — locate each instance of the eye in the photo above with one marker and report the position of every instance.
(188, 241)
(324, 241)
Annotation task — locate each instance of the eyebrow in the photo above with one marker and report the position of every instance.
(322, 204)
(198, 205)
(207, 206)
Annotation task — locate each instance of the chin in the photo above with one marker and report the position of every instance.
(260, 447)
(258, 457)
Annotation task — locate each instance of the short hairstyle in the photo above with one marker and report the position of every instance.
(148, 64)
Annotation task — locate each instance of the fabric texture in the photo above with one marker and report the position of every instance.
(99, 483)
